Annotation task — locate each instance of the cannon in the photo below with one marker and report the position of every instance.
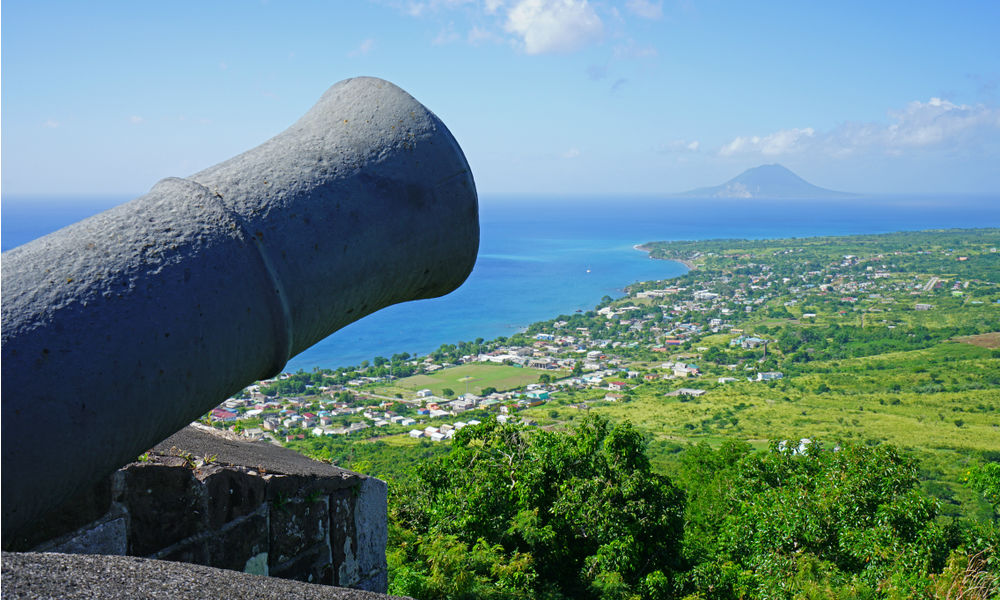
(121, 329)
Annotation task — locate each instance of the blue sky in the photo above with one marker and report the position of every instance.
(545, 96)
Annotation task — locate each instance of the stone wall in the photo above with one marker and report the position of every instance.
(206, 498)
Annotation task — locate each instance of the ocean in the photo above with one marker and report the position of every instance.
(540, 257)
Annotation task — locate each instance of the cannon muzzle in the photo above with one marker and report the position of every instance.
(123, 328)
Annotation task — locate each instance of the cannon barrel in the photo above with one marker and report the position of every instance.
(123, 328)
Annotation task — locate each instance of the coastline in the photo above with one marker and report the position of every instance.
(691, 266)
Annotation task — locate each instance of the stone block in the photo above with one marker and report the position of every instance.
(371, 520)
(359, 535)
(193, 550)
(292, 485)
(297, 524)
(234, 546)
(311, 566)
(108, 536)
(232, 494)
(343, 537)
(377, 582)
(166, 505)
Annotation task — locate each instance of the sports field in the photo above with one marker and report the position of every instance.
(473, 378)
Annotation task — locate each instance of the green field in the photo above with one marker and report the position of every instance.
(940, 404)
(474, 378)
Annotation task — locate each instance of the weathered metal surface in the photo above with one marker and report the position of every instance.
(121, 329)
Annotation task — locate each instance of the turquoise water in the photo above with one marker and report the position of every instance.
(541, 257)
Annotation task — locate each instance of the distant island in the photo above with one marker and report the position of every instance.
(769, 182)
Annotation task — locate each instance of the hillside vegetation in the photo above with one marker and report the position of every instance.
(798, 418)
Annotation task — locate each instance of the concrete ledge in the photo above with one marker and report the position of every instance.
(223, 448)
(32, 576)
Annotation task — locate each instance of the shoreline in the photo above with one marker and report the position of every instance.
(687, 263)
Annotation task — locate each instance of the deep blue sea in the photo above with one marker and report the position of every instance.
(541, 256)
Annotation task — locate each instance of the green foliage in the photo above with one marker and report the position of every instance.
(582, 509)
(986, 480)
(821, 523)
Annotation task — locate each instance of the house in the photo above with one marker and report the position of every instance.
(424, 393)
(769, 376)
(616, 386)
(221, 414)
(613, 397)
(437, 437)
(747, 343)
(416, 433)
(687, 392)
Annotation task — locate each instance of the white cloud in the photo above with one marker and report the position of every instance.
(136, 120)
(935, 124)
(645, 8)
(477, 35)
(419, 9)
(51, 124)
(780, 142)
(680, 147)
(364, 48)
(938, 122)
(492, 6)
(446, 36)
(554, 25)
(571, 153)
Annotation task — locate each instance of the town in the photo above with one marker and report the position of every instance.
(733, 348)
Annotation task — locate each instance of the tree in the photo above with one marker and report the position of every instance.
(567, 514)
(765, 524)
(985, 479)
(448, 392)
